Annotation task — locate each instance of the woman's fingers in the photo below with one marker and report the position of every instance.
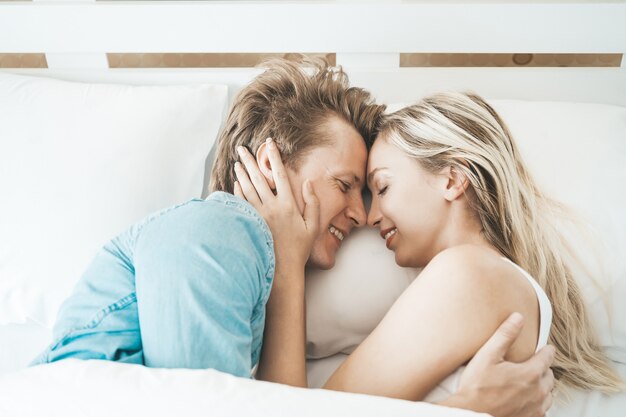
(245, 186)
(279, 173)
(238, 191)
(254, 174)
(311, 208)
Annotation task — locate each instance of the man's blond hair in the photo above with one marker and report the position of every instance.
(292, 103)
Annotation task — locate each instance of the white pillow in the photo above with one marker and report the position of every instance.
(81, 162)
(345, 303)
(577, 154)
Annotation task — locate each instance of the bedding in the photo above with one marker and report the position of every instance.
(20, 343)
(98, 388)
(574, 403)
(79, 162)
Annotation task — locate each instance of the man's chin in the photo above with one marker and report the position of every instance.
(323, 264)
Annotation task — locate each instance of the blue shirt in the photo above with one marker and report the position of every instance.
(183, 288)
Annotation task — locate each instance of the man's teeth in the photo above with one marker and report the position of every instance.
(390, 233)
(336, 232)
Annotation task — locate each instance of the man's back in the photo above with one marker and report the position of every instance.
(183, 288)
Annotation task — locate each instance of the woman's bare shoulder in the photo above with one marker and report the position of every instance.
(477, 266)
(491, 289)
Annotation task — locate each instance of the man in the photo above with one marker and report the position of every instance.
(188, 287)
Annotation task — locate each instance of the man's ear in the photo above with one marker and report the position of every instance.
(265, 165)
(456, 185)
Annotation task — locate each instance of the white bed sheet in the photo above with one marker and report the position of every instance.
(98, 388)
(576, 403)
(71, 388)
(20, 343)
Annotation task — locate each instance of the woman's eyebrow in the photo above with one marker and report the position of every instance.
(370, 176)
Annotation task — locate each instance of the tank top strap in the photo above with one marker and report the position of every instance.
(545, 307)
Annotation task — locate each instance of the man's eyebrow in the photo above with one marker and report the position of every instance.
(356, 178)
(374, 171)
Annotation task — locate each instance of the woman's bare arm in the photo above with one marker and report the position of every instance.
(284, 340)
(437, 325)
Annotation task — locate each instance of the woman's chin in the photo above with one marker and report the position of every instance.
(404, 261)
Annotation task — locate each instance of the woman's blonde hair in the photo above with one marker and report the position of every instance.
(291, 102)
(463, 132)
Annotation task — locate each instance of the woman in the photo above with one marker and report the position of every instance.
(452, 195)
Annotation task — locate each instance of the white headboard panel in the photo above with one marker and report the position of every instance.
(314, 26)
(367, 36)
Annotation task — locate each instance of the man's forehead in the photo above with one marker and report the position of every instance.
(342, 158)
(331, 162)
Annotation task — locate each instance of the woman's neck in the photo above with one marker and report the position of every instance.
(464, 228)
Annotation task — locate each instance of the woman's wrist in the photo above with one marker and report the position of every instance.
(290, 263)
(289, 280)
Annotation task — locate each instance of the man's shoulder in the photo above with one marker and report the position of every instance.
(232, 202)
(221, 215)
(234, 215)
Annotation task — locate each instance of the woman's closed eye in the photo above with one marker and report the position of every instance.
(382, 190)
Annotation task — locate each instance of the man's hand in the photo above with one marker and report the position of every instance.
(505, 389)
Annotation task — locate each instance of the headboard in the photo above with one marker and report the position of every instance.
(368, 38)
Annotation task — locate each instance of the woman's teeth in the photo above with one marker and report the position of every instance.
(390, 233)
(335, 232)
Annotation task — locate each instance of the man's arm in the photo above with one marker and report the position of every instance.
(505, 389)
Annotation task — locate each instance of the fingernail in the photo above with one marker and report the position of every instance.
(237, 165)
(517, 318)
(240, 150)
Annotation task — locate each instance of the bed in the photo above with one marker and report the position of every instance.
(86, 149)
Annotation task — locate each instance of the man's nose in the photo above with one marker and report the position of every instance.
(374, 216)
(356, 210)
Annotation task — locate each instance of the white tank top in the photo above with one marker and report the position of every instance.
(451, 384)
